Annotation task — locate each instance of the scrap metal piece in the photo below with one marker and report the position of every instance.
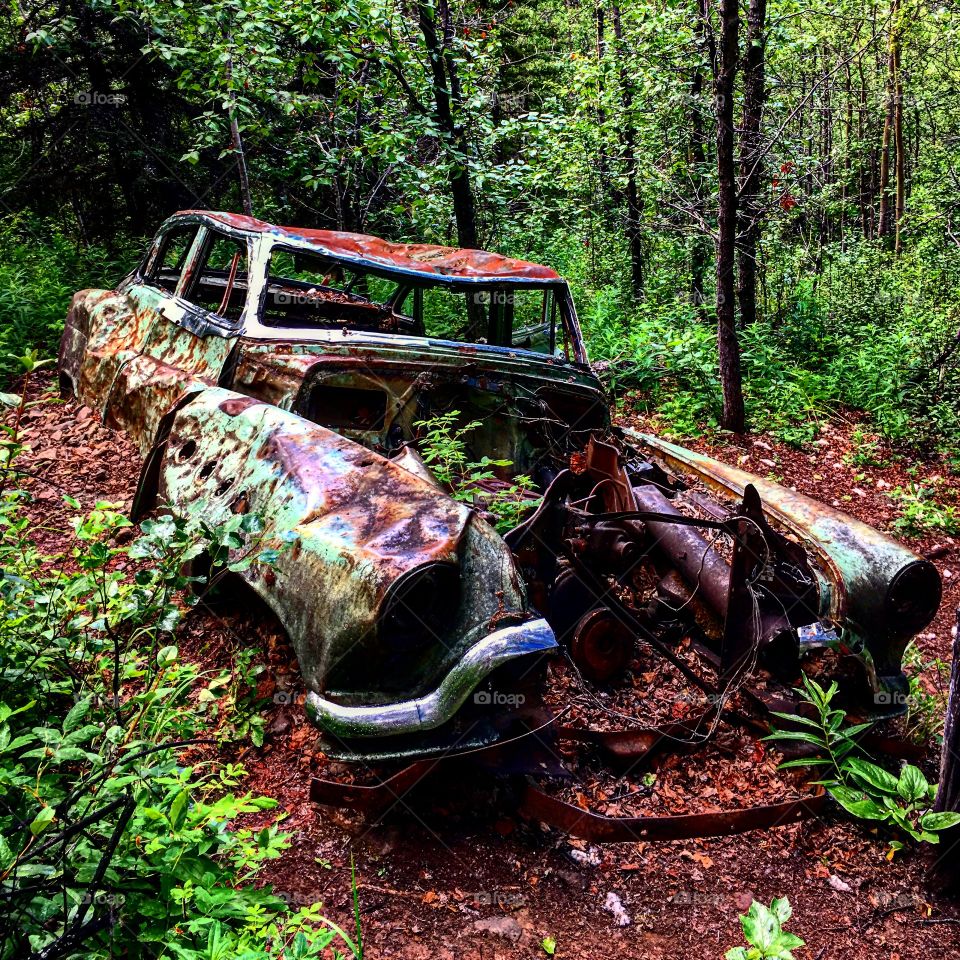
(535, 804)
(877, 590)
(601, 645)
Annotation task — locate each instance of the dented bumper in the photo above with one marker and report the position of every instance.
(438, 707)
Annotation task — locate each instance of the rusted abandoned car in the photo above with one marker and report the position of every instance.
(291, 373)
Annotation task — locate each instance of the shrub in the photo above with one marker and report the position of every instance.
(118, 835)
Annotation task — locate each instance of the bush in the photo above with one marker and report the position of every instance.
(40, 270)
(118, 834)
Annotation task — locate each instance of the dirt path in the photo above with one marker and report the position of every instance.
(453, 874)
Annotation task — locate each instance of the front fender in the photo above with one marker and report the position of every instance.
(874, 588)
(388, 582)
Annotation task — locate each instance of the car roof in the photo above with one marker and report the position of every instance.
(429, 260)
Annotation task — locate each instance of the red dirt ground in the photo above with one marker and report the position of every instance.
(454, 874)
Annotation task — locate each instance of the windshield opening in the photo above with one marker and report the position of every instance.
(309, 291)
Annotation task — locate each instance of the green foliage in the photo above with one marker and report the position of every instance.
(863, 789)
(40, 270)
(763, 930)
(925, 711)
(444, 448)
(865, 451)
(920, 513)
(115, 824)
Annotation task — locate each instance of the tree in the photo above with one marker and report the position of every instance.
(751, 161)
(724, 85)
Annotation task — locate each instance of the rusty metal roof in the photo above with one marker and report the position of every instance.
(423, 258)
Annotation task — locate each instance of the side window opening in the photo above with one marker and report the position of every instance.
(220, 286)
(174, 247)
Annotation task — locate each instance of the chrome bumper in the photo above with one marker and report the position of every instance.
(436, 708)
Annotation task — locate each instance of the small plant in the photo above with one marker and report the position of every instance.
(444, 448)
(763, 930)
(925, 710)
(920, 513)
(117, 825)
(862, 788)
(864, 451)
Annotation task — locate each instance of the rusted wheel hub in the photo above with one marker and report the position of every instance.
(601, 645)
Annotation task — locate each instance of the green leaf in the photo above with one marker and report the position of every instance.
(167, 656)
(760, 926)
(549, 946)
(871, 774)
(42, 821)
(912, 784)
(781, 909)
(857, 803)
(178, 809)
(940, 821)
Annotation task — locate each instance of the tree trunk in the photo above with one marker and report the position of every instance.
(633, 233)
(899, 151)
(699, 250)
(446, 86)
(947, 865)
(236, 142)
(751, 160)
(884, 227)
(725, 73)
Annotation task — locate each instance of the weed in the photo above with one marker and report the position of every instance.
(920, 512)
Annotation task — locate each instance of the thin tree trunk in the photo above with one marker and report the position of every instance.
(236, 142)
(733, 417)
(751, 160)
(446, 86)
(899, 151)
(699, 251)
(633, 233)
(884, 228)
(946, 868)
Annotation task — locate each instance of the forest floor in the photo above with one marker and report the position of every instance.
(456, 874)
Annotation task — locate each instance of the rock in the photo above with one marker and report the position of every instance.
(591, 857)
(614, 905)
(505, 927)
(841, 886)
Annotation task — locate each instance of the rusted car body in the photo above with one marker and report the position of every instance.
(289, 373)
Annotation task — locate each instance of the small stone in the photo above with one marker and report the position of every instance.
(591, 857)
(838, 884)
(506, 927)
(614, 905)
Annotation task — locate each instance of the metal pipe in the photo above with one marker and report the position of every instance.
(692, 555)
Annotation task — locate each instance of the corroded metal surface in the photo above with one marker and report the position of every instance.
(358, 523)
(880, 592)
(420, 257)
